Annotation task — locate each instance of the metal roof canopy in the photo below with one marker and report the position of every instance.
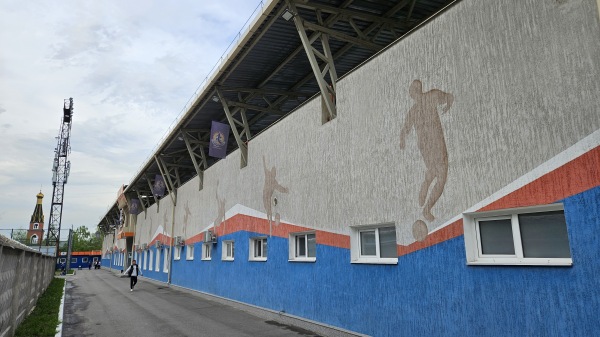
(293, 51)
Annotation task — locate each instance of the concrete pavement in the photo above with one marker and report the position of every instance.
(99, 303)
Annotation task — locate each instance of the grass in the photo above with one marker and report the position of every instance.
(43, 320)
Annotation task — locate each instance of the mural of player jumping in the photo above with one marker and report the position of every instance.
(424, 118)
(271, 185)
(221, 210)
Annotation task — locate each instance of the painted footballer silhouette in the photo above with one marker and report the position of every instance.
(423, 116)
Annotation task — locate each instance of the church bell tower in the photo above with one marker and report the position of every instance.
(35, 233)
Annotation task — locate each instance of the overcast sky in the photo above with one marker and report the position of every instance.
(130, 66)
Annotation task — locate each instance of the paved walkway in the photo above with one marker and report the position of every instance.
(99, 303)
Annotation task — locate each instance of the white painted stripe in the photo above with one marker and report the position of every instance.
(61, 311)
(583, 146)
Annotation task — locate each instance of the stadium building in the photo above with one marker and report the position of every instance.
(390, 168)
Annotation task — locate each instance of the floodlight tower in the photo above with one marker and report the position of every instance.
(60, 173)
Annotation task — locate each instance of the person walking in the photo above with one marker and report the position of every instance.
(133, 271)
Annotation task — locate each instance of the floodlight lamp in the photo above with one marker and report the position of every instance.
(287, 15)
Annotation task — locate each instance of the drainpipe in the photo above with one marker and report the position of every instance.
(170, 274)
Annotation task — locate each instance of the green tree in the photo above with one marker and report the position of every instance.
(83, 240)
(19, 235)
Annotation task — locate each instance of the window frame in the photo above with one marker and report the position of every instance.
(355, 245)
(225, 256)
(293, 247)
(472, 238)
(264, 252)
(207, 251)
(189, 252)
(177, 253)
(166, 259)
(150, 260)
(157, 261)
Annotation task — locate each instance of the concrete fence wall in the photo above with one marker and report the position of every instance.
(24, 276)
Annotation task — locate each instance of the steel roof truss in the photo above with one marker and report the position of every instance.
(166, 174)
(327, 90)
(152, 192)
(141, 201)
(232, 123)
(195, 148)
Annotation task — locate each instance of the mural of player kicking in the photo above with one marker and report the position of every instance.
(271, 185)
(424, 118)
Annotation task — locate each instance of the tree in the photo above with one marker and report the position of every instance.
(19, 235)
(84, 241)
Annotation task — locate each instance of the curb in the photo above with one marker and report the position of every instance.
(61, 312)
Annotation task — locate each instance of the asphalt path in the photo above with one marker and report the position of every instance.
(99, 303)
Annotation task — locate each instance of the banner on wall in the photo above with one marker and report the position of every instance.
(135, 207)
(159, 186)
(219, 135)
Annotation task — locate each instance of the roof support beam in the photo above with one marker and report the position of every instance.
(195, 148)
(327, 90)
(164, 171)
(233, 124)
(152, 191)
(141, 201)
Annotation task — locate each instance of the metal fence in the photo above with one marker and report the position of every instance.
(24, 275)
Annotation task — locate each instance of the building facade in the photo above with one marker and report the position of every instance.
(457, 190)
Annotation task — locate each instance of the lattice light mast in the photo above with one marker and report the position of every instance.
(60, 173)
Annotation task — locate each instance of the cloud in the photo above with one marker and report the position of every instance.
(130, 66)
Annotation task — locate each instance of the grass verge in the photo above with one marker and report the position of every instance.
(42, 322)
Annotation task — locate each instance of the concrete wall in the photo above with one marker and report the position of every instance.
(519, 81)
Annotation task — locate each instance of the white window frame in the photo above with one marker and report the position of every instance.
(189, 252)
(145, 257)
(157, 265)
(207, 251)
(34, 239)
(228, 250)
(251, 254)
(473, 243)
(293, 247)
(166, 260)
(355, 254)
(177, 253)
(84, 260)
(150, 259)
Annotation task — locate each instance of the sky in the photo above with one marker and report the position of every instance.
(130, 66)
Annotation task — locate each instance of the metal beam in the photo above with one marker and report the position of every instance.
(232, 123)
(327, 90)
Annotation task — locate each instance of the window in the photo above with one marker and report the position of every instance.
(157, 265)
(206, 250)
(228, 251)
(166, 260)
(189, 252)
(84, 260)
(520, 236)
(34, 239)
(36, 225)
(177, 253)
(374, 244)
(303, 247)
(73, 260)
(150, 259)
(63, 260)
(145, 258)
(258, 249)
